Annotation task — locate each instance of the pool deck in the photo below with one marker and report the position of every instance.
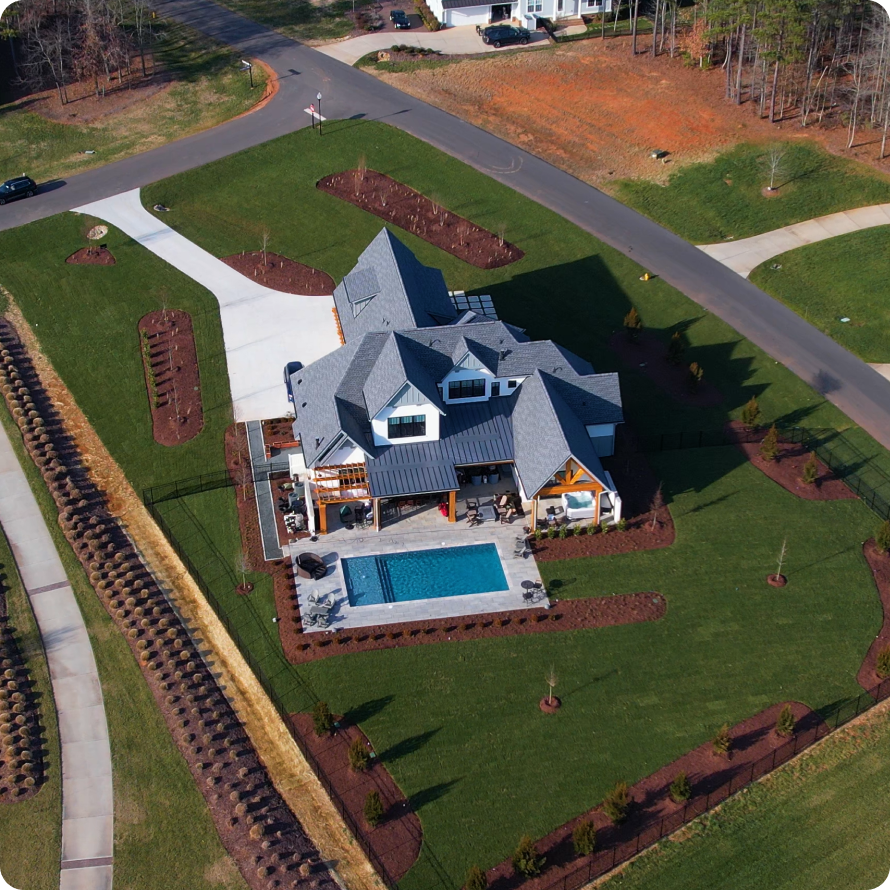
(427, 530)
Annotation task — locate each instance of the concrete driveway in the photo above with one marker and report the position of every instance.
(263, 329)
(450, 41)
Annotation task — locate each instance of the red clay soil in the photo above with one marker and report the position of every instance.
(397, 839)
(422, 216)
(92, 256)
(879, 563)
(281, 273)
(787, 469)
(172, 379)
(754, 742)
(649, 355)
(591, 612)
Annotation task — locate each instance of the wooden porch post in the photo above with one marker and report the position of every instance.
(452, 506)
(323, 517)
(376, 514)
(596, 500)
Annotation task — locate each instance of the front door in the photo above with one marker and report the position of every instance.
(559, 8)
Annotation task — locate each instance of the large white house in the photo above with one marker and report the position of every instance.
(524, 12)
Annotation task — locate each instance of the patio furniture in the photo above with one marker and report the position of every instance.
(320, 608)
(494, 475)
(488, 511)
(311, 565)
(521, 548)
(346, 514)
(473, 512)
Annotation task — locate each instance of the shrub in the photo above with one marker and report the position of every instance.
(526, 859)
(592, 529)
(786, 723)
(675, 348)
(616, 802)
(751, 412)
(578, 531)
(810, 470)
(622, 524)
(722, 742)
(604, 527)
(551, 533)
(694, 378)
(373, 809)
(882, 665)
(882, 537)
(563, 532)
(681, 789)
(584, 838)
(539, 533)
(476, 879)
(769, 447)
(633, 325)
(358, 756)
(322, 719)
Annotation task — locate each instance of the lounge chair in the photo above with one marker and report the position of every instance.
(311, 565)
(521, 548)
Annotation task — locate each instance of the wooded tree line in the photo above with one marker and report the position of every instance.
(59, 42)
(818, 61)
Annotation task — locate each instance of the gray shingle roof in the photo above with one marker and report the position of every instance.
(395, 366)
(390, 290)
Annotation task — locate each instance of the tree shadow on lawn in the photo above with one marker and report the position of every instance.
(420, 799)
(407, 746)
(365, 711)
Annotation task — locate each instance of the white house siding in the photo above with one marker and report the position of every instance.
(469, 15)
(380, 426)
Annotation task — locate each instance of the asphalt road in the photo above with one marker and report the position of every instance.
(858, 390)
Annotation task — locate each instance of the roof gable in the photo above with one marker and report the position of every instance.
(396, 366)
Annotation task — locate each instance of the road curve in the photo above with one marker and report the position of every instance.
(858, 390)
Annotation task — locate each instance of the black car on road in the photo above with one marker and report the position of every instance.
(20, 187)
(399, 18)
(504, 35)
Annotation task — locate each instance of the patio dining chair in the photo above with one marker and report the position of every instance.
(473, 512)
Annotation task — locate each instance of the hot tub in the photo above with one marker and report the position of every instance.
(579, 504)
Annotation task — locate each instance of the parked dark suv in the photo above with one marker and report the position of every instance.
(399, 18)
(504, 35)
(20, 187)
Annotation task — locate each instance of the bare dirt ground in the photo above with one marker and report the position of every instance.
(592, 109)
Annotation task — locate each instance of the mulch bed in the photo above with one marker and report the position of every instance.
(92, 256)
(281, 274)
(397, 839)
(281, 429)
(879, 563)
(172, 379)
(422, 216)
(787, 469)
(649, 355)
(754, 742)
(587, 613)
(254, 823)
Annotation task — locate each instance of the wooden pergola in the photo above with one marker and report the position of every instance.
(339, 484)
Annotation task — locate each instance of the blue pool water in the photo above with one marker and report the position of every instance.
(423, 574)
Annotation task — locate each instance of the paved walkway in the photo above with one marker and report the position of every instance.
(87, 800)
(263, 329)
(451, 41)
(746, 255)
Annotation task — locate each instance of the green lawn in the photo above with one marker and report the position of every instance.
(843, 277)
(31, 831)
(458, 724)
(699, 205)
(300, 19)
(819, 823)
(208, 89)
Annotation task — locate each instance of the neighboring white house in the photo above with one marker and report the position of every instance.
(452, 13)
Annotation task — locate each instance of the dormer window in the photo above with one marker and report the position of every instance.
(511, 384)
(406, 427)
(466, 389)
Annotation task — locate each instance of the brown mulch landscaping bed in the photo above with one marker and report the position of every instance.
(172, 379)
(281, 274)
(397, 839)
(253, 822)
(280, 429)
(754, 741)
(787, 469)
(92, 256)
(422, 216)
(879, 563)
(649, 355)
(591, 612)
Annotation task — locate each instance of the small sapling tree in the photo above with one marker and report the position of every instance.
(656, 504)
(322, 719)
(527, 862)
(769, 447)
(584, 838)
(722, 742)
(616, 802)
(681, 788)
(633, 325)
(552, 680)
(882, 665)
(810, 470)
(476, 879)
(773, 163)
(374, 810)
(676, 348)
(882, 537)
(781, 561)
(243, 566)
(264, 240)
(786, 723)
(751, 413)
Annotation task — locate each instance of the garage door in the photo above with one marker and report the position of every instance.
(469, 15)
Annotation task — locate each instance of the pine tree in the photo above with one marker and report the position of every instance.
(476, 879)
(696, 372)
(751, 412)
(769, 447)
(810, 470)
(633, 325)
(616, 802)
(584, 838)
(882, 665)
(786, 722)
(681, 789)
(374, 809)
(322, 719)
(882, 537)
(358, 756)
(676, 347)
(722, 742)
(526, 859)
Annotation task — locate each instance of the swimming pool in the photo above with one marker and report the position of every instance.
(423, 574)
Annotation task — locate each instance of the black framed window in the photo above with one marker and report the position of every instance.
(511, 384)
(466, 389)
(405, 427)
(495, 388)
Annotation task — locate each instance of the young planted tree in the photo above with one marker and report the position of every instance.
(616, 802)
(322, 719)
(242, 564)
(781, 560)
(769, 447)
(584, 838)
(527, 862)
(264, 240)
(676, 348)
(751, 413)
(882, 537)
(694, 378)
(810, 470)
(786, 723)
(552, 680)
(374, 809)
(681, 788)
(722, 742)
(358, 756)
(656, 504)
(773, 163)
(633, 325)
(476, 879)
(882, 665)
